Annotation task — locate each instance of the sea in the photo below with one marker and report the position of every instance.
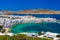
(37, 27)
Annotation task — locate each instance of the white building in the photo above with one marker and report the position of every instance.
(49, 34)
(1, 21)
(9, 34)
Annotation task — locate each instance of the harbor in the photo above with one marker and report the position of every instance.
(29, 25)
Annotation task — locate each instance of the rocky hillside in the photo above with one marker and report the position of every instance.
(30, 12)
(37, 12)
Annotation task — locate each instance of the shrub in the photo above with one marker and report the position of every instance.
(21, 37)
(58, 36)
(0, 27)
(3, 31)
(4, 37)
(24, 37)
(39, 33)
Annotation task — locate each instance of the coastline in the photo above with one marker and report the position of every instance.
(34, 27)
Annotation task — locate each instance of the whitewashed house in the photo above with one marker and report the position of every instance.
(49, 34)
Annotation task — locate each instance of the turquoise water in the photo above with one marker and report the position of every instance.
(35, 27)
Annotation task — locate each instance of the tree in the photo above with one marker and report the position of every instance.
(58, 36)
(0, 28)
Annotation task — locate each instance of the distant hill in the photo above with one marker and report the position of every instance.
(30, 12)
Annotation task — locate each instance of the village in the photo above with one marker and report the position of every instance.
(8, 20)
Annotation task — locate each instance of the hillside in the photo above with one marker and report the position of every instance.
(30, 12)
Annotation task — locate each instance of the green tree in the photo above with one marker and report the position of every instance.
(58, 36)
(0, 27)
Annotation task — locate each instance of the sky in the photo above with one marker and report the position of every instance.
(15, 5)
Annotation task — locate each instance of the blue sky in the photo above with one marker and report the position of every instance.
(15, 5)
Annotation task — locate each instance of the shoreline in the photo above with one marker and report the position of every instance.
(29, 19)
(27, 25)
